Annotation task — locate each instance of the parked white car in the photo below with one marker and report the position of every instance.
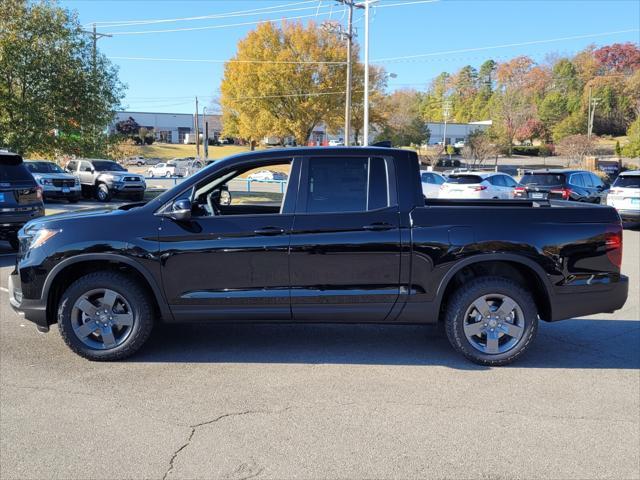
(267, 176)
(483, 185)
(163, 170)
(431, 183)
(624, 196)
(336, 142)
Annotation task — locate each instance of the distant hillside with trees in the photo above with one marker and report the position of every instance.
(546, 101)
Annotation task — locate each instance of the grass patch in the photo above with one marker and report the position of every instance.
(167, 151)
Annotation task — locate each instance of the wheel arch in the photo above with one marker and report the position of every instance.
(67, 271)
(525, 271)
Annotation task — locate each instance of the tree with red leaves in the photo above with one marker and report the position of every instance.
(619, 57)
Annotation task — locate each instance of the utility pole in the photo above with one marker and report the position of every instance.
(197, 125)
(446, 108)
(94, 60)
(205, 142)
(591, 113)
(334, 27)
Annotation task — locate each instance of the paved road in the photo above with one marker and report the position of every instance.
(240, 402)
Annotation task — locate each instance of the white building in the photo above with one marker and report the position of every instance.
(170, 127)
(456, 132)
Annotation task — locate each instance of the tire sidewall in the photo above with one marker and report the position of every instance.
(102, 193)
(462, 300)
(131, 291)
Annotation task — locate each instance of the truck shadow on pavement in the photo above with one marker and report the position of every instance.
(589, 343)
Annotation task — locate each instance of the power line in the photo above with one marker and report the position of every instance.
(194, 60)
(507, 45)
(212, 27)
(402, 4)
(116, 23)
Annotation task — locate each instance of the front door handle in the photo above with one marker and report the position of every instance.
(378, 227)
(269, 231)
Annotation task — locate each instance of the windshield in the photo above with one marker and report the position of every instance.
(545, 179)
(629, 181)
(107, 166)
(464, 179)
(43, 167)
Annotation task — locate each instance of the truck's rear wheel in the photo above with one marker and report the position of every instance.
(491, 320)
(105, 316)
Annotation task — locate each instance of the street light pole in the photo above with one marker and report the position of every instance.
(365, 129)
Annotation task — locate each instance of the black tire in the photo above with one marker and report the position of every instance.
(87, 192)
(103, 194)
(137, 297)
(461, 301)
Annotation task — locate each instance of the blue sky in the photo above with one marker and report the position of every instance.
(404, 30)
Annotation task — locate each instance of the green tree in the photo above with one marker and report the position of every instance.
(632, 148)
(282, 96)
(403, 123)
(54, 98)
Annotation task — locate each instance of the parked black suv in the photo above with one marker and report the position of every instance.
(562, 184)
(20, 197)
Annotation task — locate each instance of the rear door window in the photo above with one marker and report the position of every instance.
(13, 170)
(577, 180)
(351, 184)
(498, 181)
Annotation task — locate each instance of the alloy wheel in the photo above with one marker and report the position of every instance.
(102, 319)
(494, 323)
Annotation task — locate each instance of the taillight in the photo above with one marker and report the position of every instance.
(565, 192)
(477, 188)
(613, 244)
(520, 191)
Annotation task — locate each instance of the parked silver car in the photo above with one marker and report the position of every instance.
(55, 182)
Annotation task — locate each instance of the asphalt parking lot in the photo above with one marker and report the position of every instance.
(240, 402)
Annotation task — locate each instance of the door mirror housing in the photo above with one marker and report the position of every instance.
(180, 210)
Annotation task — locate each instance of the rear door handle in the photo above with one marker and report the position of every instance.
(378, 227)
(269, 231)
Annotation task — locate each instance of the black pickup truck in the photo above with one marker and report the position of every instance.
(348, 238)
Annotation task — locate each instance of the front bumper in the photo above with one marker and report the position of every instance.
(127, 188)
(59, 193)
(578, 301)
(33, 310)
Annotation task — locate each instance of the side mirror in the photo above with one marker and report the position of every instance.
(225, 197)
(180, 210)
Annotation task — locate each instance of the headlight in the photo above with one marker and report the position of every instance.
(77, 182)
(115, 178)
(33, 238)
(45, 181)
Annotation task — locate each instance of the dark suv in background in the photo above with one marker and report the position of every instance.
(20, 197)
(562, 184)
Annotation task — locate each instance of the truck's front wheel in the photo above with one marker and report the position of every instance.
(105, 316)
(491, 320)
(102, 192)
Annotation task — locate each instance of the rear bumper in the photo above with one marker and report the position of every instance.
(33, 310)
(11, 222)
(630, 215)
(579, 301)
